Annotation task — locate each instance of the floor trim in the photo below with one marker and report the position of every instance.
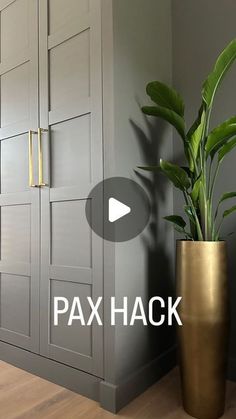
(114, 397)
(61, 374)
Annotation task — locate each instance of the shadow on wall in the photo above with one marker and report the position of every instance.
(159, 261)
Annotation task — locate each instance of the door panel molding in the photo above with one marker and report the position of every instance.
(69, 278)
(69, 30)
(22, 269)
(20, 210)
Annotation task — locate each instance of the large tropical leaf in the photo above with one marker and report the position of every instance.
(189, 158)
(226, 148)
(150, 168)
(226, 196)
(184, 232)
(165, 97)
(193, 134)
(196, 123)
(214, 79)
(196, 189)
(187, 170)
(189, 173)
(220, 135)
(196, 137)
(176, 174)
(170, 116)
(229, 211)
(188, 210)
(176, 219)
(223, 198)
(179, 225)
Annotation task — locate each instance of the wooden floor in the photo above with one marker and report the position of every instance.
(25, 396)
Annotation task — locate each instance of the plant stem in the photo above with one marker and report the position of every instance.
(219, 227)
(189, 201)
(209, 176)
(203, 194)
(206, 204)
(203, 208)
(214, 181)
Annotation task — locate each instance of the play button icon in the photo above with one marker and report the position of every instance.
(117, 209)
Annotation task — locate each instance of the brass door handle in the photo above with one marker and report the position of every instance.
(40, 157)
(31, 167)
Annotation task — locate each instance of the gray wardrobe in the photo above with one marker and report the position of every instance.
(51, 156)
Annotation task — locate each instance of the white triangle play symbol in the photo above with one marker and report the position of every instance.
(117, 209)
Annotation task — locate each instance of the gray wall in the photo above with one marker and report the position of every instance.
(143, 266)
(150, 40)
(201, 29)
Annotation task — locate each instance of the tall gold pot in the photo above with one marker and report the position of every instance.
(202, 282)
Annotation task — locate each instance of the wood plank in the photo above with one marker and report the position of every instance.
(25, 396)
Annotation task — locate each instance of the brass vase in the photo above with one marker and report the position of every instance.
(202, 282)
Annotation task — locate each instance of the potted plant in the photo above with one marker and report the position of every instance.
(201, 257)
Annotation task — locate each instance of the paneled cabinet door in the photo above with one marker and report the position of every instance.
(71, 110)
(19, 204)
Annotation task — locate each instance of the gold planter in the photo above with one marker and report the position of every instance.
(202, 282)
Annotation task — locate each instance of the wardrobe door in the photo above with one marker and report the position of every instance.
(71, 110)
(19, 203)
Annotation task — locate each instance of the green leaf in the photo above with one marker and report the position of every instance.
(196, 137)
(229, 211)
(170, 116)
(189, 134)
(189, 173)
(187, 170)
(189, 158)
(196, 189)
(220, 135)
(214, 79)
(179, 229)
(176, 174)
(227, 195)
(227, 235)
(226, 148)
(195, 124)
(223, 198)
(165, 97)
(150, 168)
(176, 219)
(188, 210)
(185, 233)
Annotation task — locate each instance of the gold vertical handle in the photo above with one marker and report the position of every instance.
(40, 156)
(31, 167)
